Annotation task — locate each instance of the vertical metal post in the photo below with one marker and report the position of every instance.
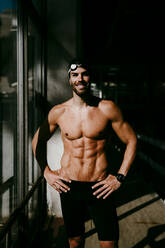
(19, 173)
(6, 241)
(26, 107)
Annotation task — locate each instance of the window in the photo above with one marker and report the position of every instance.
(21, 112)
(8, 107)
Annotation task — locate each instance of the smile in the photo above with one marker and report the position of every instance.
(81, 86)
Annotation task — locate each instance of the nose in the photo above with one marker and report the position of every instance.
(80, 77)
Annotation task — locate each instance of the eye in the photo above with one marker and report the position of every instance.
(86, 74)
(74, 74)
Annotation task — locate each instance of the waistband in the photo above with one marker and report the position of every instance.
(83, 182)
(81, 186)
(81, 190)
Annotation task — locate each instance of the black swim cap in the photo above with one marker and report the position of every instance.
(78, 62)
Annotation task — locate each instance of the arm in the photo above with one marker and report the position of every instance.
(39, 147)
(39, 142)
(126, 134)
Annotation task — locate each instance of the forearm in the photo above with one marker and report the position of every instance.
(128, 158)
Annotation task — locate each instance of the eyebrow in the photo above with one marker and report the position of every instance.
(74, 73)
(84, 72)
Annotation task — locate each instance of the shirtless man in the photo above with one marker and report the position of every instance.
(83, 182)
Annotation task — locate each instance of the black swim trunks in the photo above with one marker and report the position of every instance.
(80, 201)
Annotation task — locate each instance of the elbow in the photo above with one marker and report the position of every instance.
(134, 143)
(34, 146)
(34, 142)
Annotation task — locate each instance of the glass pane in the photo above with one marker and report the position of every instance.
(34, 94)
(8, 106)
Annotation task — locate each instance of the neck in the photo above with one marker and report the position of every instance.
(85, 100)
(80, 101)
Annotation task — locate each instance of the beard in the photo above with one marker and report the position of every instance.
(81, 92)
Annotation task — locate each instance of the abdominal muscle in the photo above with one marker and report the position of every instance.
(84, 159)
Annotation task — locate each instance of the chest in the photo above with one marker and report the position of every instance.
(89, 123)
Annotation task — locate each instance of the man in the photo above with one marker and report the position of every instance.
(83, 182)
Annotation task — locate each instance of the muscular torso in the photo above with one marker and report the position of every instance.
(84, 132)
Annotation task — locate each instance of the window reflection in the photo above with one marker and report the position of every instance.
(34, 98)
(21, 112)
(8, 106)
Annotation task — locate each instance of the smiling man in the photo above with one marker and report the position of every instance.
(83, 181)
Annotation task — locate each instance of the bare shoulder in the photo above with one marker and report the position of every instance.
(58, 110)
(111, 110)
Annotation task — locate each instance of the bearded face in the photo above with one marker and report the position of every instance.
(79, 81)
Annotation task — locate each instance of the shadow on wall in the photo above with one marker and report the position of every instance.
(61, 47)
(54, 153)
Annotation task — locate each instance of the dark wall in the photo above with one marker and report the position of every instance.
(61, 47)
